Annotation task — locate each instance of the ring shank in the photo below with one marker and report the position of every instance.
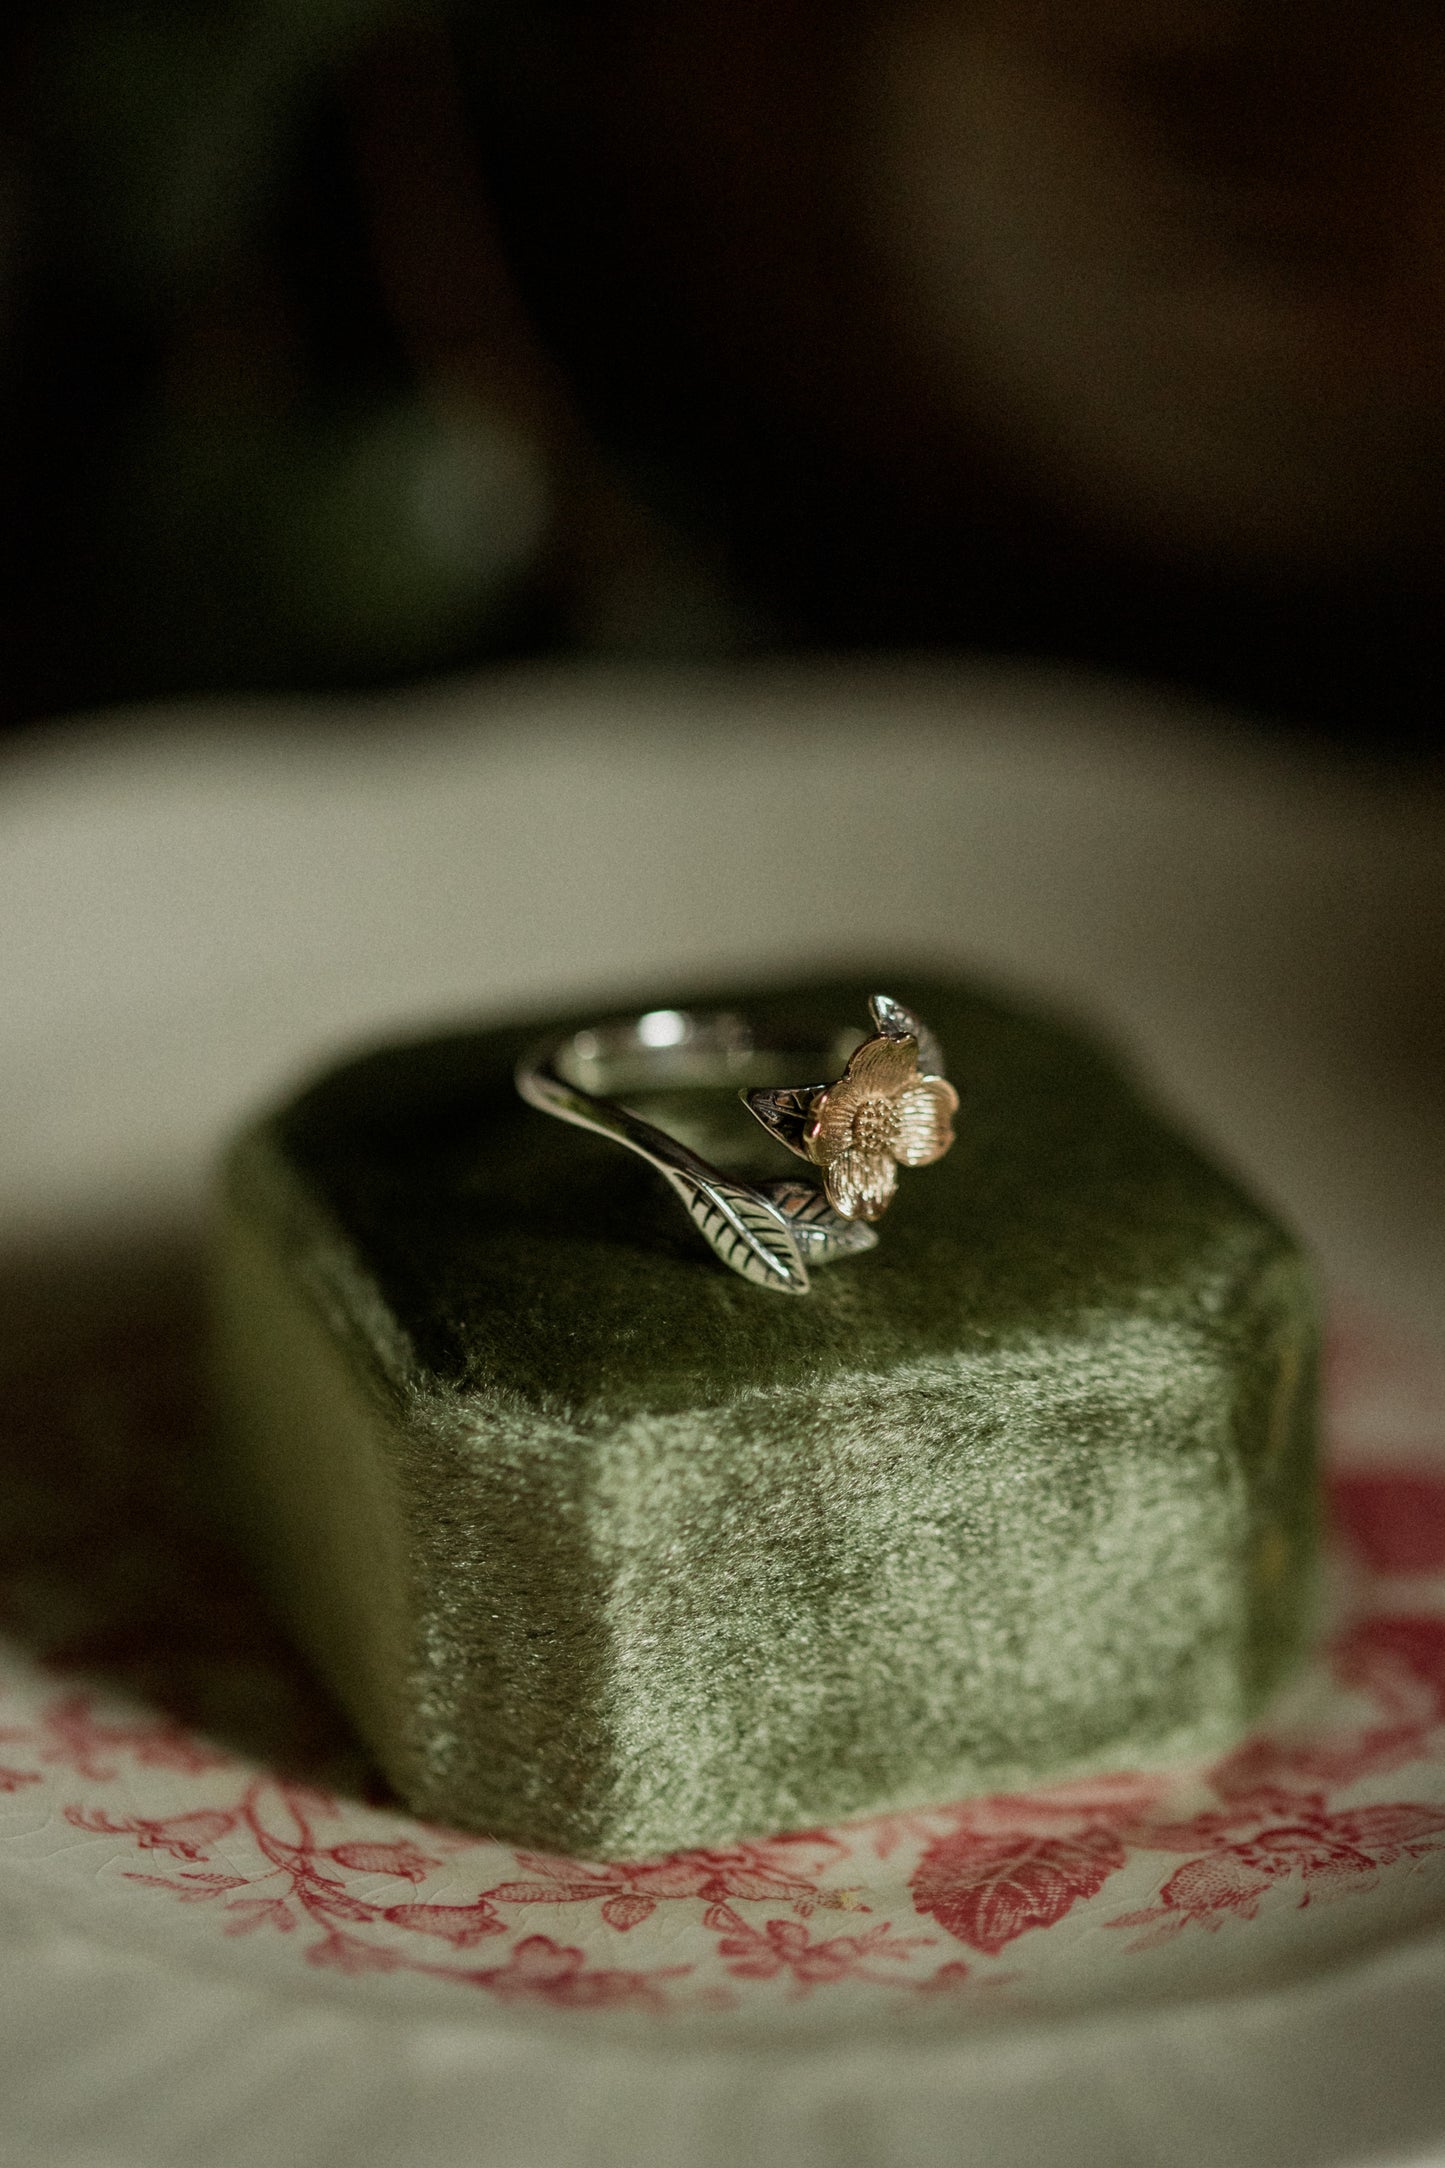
(668, 1048)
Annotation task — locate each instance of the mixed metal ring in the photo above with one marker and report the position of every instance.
(892, 1107)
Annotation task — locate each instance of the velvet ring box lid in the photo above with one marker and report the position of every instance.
(609, 1552)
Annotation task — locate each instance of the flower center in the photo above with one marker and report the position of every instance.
(875, 1126)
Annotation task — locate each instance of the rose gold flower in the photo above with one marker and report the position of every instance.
(880, 1115)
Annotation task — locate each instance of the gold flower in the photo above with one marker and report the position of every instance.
(880, 1115)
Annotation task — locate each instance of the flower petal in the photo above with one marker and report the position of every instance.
(883, 1067)
(830, 1130)
(859, 1184)
(925, 1122)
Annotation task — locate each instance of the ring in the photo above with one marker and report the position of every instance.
(892, 1107)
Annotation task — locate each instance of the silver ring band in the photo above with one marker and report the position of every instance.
(892, 1106)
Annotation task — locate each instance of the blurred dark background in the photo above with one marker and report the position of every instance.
(344, 341)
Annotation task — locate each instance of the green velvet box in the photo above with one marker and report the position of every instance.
(607, 1551)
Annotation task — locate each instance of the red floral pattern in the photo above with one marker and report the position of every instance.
(1395, 1520)
(1277, 1839)
(987, 1890)
(150, 1711)
(784, 1949)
